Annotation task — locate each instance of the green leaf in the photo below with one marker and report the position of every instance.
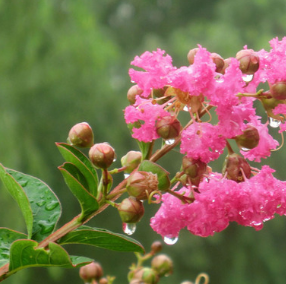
(87, 201)
(7, 237)
(162, 174)
(102, 239)
(46, 208)
(20, 196)
(76, 157)
(24, 254)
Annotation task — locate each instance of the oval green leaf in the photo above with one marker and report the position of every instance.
(162, 175)
(7, 237)
(101, 238)
(45, 205)
(86, 200)
(76, 157)
(24, 254)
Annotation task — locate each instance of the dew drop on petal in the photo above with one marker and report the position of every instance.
(129, 228)
(170, 241)
(247, 78)
(244, 149)
(274, 123)
(170, 141)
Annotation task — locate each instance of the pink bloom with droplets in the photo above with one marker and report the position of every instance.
(147, 113)
(202, 141)
(156, 66)
(198, 78)
(249, 203)
(265, 145)
(281, 109)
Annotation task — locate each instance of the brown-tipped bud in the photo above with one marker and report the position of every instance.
(249, 61)
(168, 127)
(193, 168)
(144, 275)
(156, 247)
(140, 184)
(236, 168)
(81, 135)
(102, 155)
(191, 55)
(132, 93)
(103, 281)
(91, 271)
(131, 160)
(278, 91)
(249, 139)
(131, 210)
(218, 61)
(162, 264)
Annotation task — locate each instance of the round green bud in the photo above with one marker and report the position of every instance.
(132, 93)
(249, 61)
(168, 127)
(81, 135)
(278, 91)
(249, 139)
(191, 55)
(162, 264)
(193, 168)
(156, 247)
(218, 61)
(102, 155)
(131, 160)
(91, 271)
(130, 210)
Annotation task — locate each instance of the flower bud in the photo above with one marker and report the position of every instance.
(269, 105)
(162, 264)
(168, 127)
(226, 64)
(132, 93)
(103, 281)
(144, 275)
(218, 61)
(187, 282)
(191, 55)
(81, 135)
(278, 91)
(140, 184)
(236, 167)
(130, 210)
(193, 168)
(249, 61)
(101, 155)
(91, 271)
(249, 139)
(156, 247)
(131, 160)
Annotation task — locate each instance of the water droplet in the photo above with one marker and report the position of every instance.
(219, 80)
(52, 205)
(126, 175)
(247, 78)
(244, 149)
(114, 160)
(279, 205)
(170, 241)
(129, 228)
(186, 108)
(170, 141)
(274, 123)
(41, 203)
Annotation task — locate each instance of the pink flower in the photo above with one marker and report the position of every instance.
(147, 113)
(281, 109)
(202, 141)
(198, 78)
(265, 145)
(156, 66)
(219, 202)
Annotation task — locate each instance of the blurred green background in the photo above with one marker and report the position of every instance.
(66, 61)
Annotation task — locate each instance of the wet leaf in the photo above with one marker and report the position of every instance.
(101, 238)
(76, 157)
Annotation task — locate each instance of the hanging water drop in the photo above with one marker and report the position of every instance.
(186, 108)
(244, 149)
(247, 78)
(169, 141)
(129, 228)
(170, 241)
(274, 123)
(114, 160)
(126, 175)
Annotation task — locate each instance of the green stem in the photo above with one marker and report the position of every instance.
(229, 149)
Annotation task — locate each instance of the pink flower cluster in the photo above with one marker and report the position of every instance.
(221, 201)
(197, 88)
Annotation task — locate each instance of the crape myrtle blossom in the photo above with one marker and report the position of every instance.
(220, 201)
(208, 201)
